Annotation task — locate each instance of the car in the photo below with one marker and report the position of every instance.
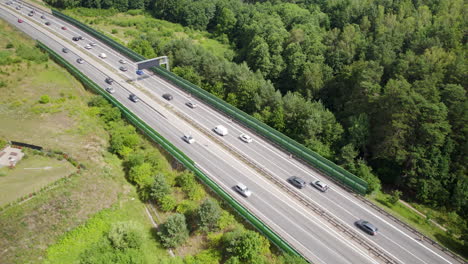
(122, 61)
(76, 38)
(123, 68)
(30, 14)
(134, 98)
(189, 139)
(88, 47)
(65, 50)
(64, 28)
(245, 138)
(191, 104)
(321, 186)
(18, 7)
(367, 227)
(220, 130)
(92, 44)
(9, 2)
(43, 17)
(109, 80)
(80, 37)
(47, 23)
(102, 55)
(80, 60)
(139, 72)
(243, 190)
(168, 96)
(110, 89)
(297, 182)
(20, 20)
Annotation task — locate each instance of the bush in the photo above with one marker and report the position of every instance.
(186, 181)
(9, 45)
(395, 197)
(186, 206)
(123, 235)
(167, 203)
(160, 187)
(208, 215)
(246, 245)
(3, 143)
(174, 231)
(114, 31)
(45, 99)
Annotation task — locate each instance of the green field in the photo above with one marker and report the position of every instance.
(30, 175)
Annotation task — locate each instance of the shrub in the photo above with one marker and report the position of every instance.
(123, 235)
(159, 188)
(114, 31)
(186, 206)
(208, 215)
(246, 245)
(190, 186)
(174, 231)
(167, 203)
(395, 197)
(45, 99)
(9, 45)
(141, 175)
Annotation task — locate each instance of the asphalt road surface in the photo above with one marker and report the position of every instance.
(305, 230)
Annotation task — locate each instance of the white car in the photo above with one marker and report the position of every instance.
(189, 139)
(320, 186)
(88, 47)
(102, 56)
(221, 130)
(92, 44)
(110, 89)
(123, 61)
(191, 104)
(242, 189)
(245, 138)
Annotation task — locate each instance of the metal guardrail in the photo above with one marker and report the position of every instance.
(179, 155)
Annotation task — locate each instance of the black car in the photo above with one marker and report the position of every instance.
(75, 38)
(134, 98)
(168, 96)
(297, 182)
(80, 60)
(367, 227)
(109, 80)
(47, 23)
(43, 17)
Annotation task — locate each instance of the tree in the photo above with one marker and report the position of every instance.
(160, 187)
(174, 231)
(208, 215)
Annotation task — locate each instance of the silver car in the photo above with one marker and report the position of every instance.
(320, 186)
(189, 139)
(110, 89)
(242, 189)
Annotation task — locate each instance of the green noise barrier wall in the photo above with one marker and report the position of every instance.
(176, 153)
(326, 166)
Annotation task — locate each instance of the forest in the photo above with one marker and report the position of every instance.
(377, 86)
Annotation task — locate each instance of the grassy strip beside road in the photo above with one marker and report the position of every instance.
(448, 239)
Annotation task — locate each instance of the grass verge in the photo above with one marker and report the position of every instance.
(422, 223)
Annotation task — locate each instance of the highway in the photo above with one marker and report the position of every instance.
(308, 232)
